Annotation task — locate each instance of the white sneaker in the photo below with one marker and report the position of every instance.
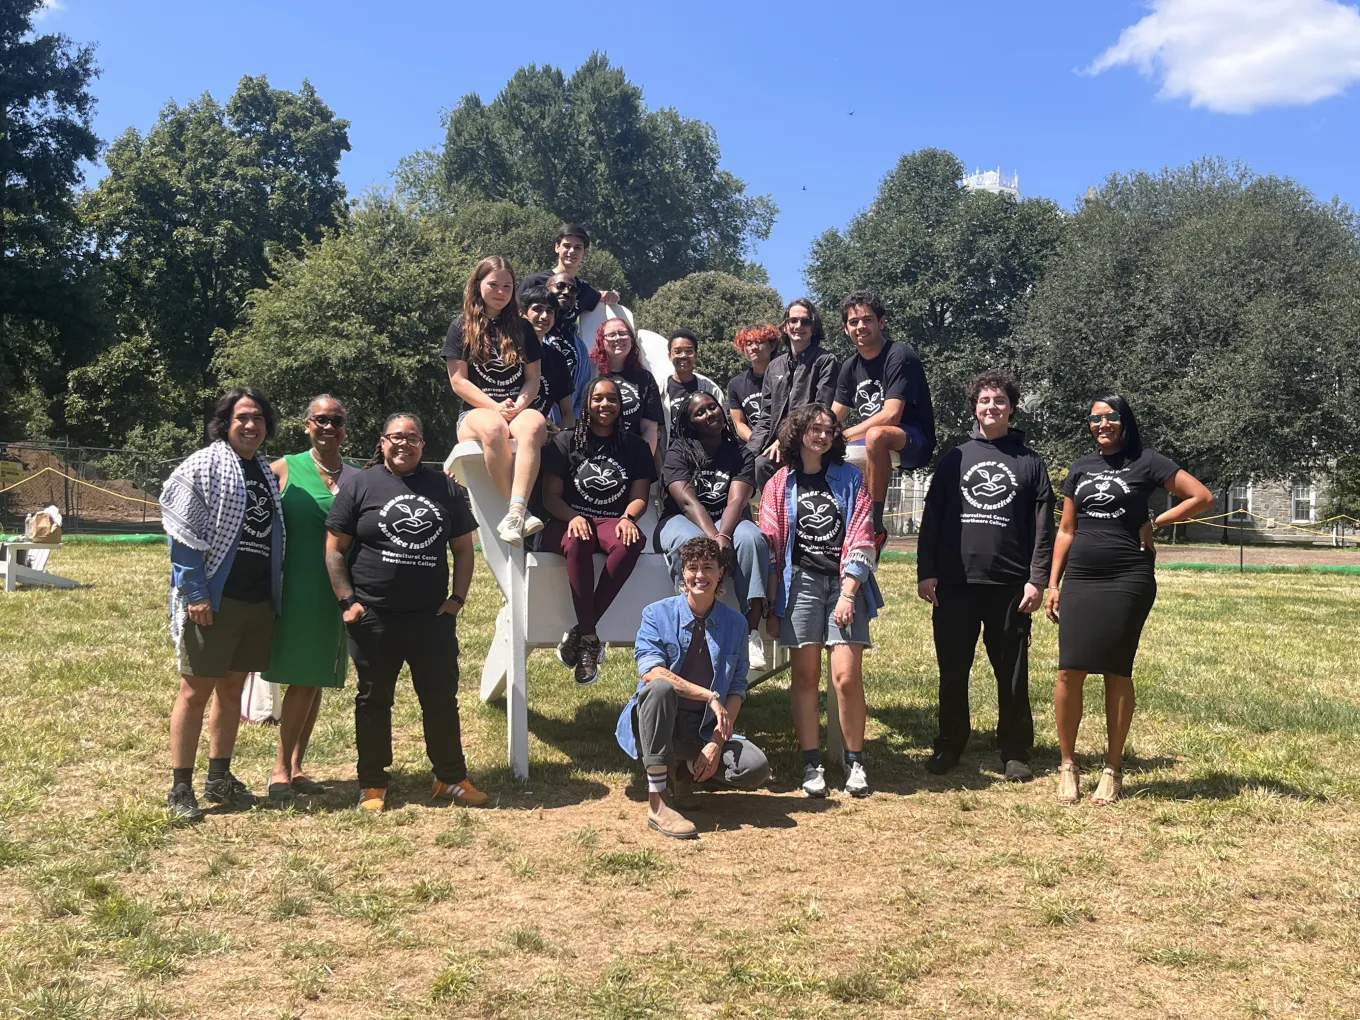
(755, 650)
(814, 781)
(532, 525)
(511, 528)
(857, 781)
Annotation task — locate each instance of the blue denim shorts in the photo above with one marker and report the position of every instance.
(808, 613)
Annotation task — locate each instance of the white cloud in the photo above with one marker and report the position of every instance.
(1233, 56)
(48, 7)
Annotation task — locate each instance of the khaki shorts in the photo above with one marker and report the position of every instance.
(239, 641)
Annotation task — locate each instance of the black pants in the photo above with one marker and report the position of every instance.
(379, 643)
(667, 731)
(963, 610)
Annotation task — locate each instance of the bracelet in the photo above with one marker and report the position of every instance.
(849, 598)
(457, 598)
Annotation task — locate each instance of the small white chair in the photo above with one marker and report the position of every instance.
(33, 571)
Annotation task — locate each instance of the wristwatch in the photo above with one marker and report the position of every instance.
(347, 601)
(454, 597)
(629, 517)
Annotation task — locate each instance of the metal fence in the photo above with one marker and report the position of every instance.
(95, 488)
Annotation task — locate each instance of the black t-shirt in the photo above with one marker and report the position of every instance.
(594, 483)
(818, 527)
(562, 339)
(249, 580)
(743, 394)
(641, 400)
(730, 463)
(896, 374)
(677, 393)
(401, 529)
(555, 382)
(495, 378)
(1111, 495)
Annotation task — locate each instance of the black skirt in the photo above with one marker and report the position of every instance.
(1100, 620)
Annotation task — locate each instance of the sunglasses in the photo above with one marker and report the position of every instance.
(404, 439)
(798, 320)
(1096, 419)
(329, 420)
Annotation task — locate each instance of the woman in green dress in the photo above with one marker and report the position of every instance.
(309, 638)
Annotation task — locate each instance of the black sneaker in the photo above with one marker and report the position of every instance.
(941, 762)
(569, 648)
(183, 804)
(228, 790)
(588, 665)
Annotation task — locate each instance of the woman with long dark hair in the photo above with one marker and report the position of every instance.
(385, 539)
(708, 477)
(616, 355)
(817, 517)
(494, 363)
(595, 483)
(1104, 558)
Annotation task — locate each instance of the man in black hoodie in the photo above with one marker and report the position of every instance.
(983, 559)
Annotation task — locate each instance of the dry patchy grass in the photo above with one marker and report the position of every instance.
(1225, 886)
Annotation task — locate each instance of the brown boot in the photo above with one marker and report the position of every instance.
(463, 794)
(372, 798)
(670, 822)
(683, 796)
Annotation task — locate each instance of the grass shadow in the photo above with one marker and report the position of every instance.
(1215, 785)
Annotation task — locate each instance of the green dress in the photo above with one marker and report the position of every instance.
(309, 638)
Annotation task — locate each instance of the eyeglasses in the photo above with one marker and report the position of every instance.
(404, 439)
(329, 420)
(618, 336)
(1096, 419)
(798, 320)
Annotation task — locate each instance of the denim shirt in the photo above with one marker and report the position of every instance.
(663, 640)
(840, 479)
(187, 572)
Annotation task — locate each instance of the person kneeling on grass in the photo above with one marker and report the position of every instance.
(691, 657)
(385, 539)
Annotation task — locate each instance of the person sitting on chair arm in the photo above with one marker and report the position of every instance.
(691, 657)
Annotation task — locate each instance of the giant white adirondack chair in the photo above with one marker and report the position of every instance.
(538, 608)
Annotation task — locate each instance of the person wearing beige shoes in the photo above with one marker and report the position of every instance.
(691, 660)
(385, 539)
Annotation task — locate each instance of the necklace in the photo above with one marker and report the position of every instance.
(331, 473)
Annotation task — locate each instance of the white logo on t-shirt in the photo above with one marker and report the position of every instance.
(710, 485)
(408, 519)
(751, 406)
(629, 399)
(259, 510)
(504, 380)
(989, 485)
(869, 397)
(1094, 495)
(601, 480)
(818, 518)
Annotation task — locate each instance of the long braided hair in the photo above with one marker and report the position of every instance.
(377, 457)
(582, 436)
(687, 439)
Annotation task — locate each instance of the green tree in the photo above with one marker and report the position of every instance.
(646, 182)
(714, 305)
(524, 235)
(955, 269)
(46, 309)
(187, 221)
(361, 315)
(1224, 305)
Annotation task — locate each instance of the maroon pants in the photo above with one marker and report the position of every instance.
(591, 599)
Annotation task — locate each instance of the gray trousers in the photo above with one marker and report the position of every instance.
(665, 732)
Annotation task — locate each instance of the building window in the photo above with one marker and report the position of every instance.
(1239, 501)
(1301, 502)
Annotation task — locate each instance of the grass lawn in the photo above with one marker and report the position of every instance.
(1226, 885)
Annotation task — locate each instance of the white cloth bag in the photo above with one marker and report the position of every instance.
(261, 701)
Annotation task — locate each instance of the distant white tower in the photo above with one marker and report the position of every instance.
(994, 181)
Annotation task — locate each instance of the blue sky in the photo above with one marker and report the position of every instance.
(1063, 91)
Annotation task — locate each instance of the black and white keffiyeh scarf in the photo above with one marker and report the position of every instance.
(203, 505)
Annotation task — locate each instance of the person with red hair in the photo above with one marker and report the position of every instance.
(616, 355)
(757, 345)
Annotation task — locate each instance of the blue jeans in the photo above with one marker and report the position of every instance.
(750, 564)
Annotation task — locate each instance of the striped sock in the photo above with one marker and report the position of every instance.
(656, 780)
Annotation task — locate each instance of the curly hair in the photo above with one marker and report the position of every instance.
(700, 547)
(763, 333)
(994, 379)
(791, 436)
(479, 329)
(632, 364)
(220, 422)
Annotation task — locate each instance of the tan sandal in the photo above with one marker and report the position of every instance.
(1109, 789)
(1069, 783)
